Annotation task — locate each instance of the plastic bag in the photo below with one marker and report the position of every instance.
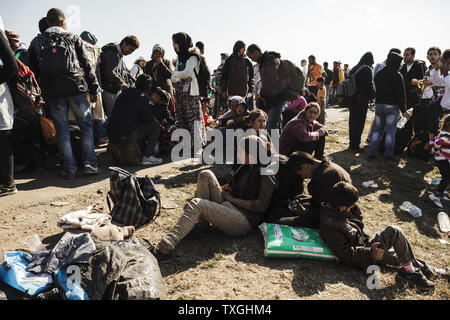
(13, 273)
(289, 242)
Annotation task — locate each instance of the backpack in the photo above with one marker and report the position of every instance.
(48, 130)
(125, 151)
(347, 88)
(296, 80)
(135, 199)
(26, 92)
(203, 77)
(60, 70)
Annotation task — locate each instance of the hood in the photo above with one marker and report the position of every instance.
(366, 59)
(158, 47)
(110, 47)
(269, 55)
(394, 61)
(236, 99)
(238, 46)
(89, 37)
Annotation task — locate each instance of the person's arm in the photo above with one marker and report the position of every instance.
(9, 68)
(112, 61)
(164, 71)
(303, 135)
(251, 75)
(259, 205)
(33, 61)
(191, 63)
(134, 71)
(400, 93)
(437, 78)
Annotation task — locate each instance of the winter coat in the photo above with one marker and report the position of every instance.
(113, 69)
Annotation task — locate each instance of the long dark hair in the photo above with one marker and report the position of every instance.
(184, 42)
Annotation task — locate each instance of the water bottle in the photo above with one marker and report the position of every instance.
(401, 123)
(444, 223)
(411, 209)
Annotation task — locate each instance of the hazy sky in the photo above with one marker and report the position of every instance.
(329, 29)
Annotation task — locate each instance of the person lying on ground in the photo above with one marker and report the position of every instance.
(344, 233)
(235, 208)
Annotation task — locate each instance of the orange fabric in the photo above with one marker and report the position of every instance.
(314, 74)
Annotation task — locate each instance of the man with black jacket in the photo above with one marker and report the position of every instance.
(413, 69)
(237, 73)
(66, 88)
(114, 73)
(390, 98)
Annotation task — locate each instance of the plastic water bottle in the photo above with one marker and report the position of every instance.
(401, 123)
(411, 209)
(444, 223)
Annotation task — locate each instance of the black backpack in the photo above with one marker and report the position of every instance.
(203, 77)
(296, 80)
(60, 70)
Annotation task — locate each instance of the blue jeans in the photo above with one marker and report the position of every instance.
(59, 108)
(386, 118)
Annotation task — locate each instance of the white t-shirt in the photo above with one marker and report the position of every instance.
(428, 92)
(409, 67)
(440, 81)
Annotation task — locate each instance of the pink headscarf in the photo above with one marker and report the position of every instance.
(299, 104)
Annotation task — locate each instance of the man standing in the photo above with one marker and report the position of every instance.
(205, 87)
(412, 69)
(304, 66)
(273, 83)
(346, 72)
(65, 79)
(114, 73)
(315, 71)
(338, 77)
(220, 104)
(328, 80)
(237, 73)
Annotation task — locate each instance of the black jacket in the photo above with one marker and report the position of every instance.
(78, 82)
(9, 67)
(160, 74)
(417, 71)
(131, 110)
(390, 88)
(237, 81)
(364, 83)
(272, 80)
(112, 69)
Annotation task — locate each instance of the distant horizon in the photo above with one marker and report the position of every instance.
(329, 32)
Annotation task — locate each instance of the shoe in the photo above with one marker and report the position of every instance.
(90, 169)
(415, 279)
(66, 175)
(7, 191)
(150, 160)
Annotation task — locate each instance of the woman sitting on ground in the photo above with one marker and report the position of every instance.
(304, 133)
(235, 208)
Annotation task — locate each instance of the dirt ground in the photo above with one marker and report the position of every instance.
(215, 266)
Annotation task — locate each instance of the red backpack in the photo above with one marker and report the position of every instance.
(26, 93)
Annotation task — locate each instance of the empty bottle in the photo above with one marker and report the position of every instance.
(411, 209)
(401, 123)
(444, 223)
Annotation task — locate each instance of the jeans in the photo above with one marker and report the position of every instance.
(109, 99)
(386, 118)
(208, 207)
(59, 108)
(274, 115)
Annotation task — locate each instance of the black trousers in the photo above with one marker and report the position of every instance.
(147, 137)
(357, 120)
(314, 147)
(444, 169)
(6, 160)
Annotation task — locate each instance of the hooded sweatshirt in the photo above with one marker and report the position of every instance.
(112, 68)
(160, 72)
(364, 83)
(272, 84)
(389, 83)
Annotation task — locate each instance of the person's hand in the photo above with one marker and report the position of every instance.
(414, 82)
(188, 79)
(226, 187)
(406, 115)
(303, 198)
(376, 253)
(123, 85)
(227, 196)
(322, 132)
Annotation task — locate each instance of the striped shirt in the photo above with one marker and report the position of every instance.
(442, 146)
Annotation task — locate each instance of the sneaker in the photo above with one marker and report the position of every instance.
(428, 271)
(66, 175)
(150, 160)
(415, 279)
(6, 191)
(90, 169)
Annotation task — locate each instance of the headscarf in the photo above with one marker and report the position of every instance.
(394, 61)
(366, 59)
(184, 42)
(158, 47)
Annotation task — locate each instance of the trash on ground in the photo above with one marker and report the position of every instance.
(435, 200)
(169, 206)
(444, 241)
(436, 181)
(86, 219)
(411, 209)
(368, 183)
(59, 204)
(34, 244)
(444, 223)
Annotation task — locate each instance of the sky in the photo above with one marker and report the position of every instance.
(329, 29)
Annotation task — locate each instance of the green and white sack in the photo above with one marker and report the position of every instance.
(290, 242)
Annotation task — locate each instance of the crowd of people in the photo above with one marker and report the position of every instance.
(135, 111)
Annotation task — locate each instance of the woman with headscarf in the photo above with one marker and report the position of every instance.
(360, 101)
(188, 108)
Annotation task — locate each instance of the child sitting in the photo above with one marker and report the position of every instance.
(207, 119)
(441, 151)
(343, 232)
(231, 114)
(238, 121)
(160, 106)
